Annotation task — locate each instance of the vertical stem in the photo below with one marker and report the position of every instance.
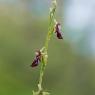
(49, 35)
(51, 23)
(41, 77)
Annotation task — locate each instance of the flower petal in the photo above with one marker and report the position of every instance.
(35, 63)
(58, 31)
(37, 59)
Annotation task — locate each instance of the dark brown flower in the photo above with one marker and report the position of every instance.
(37, 59)
(58, 31)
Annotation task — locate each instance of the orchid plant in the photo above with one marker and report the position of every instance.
(41, 56)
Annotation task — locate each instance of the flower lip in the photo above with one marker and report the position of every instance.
(37, 59)
(35, 63)
(58, 31)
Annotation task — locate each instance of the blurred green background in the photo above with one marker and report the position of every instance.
(23, 28)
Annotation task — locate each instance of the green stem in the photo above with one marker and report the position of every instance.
(49, 35)
(41, 77)
(51, 24)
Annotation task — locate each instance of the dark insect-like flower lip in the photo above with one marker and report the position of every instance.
(37, 59)
(58, 31)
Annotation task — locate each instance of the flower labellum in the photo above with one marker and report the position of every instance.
(37, 59)
(58, 31)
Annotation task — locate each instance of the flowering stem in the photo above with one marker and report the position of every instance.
(51, 24)
(49, 35)
(45, 49)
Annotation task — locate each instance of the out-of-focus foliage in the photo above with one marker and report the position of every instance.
(20, 35)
